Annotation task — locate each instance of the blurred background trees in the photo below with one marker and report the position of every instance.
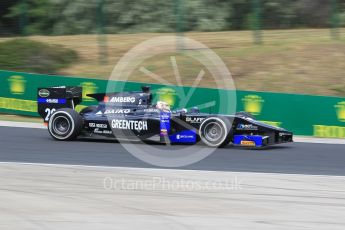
(57, 17)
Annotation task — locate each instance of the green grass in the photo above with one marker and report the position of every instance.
(302, 61)
(33, 56)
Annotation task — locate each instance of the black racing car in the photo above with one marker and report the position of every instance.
(133, 116)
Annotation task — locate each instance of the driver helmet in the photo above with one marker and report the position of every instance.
(161, 105)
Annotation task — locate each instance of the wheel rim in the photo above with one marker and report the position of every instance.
(213, 132)
(61, 125)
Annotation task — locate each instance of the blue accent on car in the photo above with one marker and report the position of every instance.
(52, 100)
(165, 123)
(186, 136)
(244, 140)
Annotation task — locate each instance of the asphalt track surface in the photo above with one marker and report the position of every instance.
(36, 146)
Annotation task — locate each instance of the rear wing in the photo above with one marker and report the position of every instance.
(126, 99)
(51, 99)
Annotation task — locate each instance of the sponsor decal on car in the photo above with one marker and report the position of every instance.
(117, 111)
(248, 143)
(105, 131)
(245, 140)
(187, 136)
(164, 123)
(43, 93)
(151, 110)
(52, 100)
(178, 136)
(195, 120)
(283, 134)
(122, 99)
(129, 125)
(94, 125)
(165, 116)
(247, 127)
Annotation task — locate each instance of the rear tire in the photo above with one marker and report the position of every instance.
(215, 131)
(65, 124)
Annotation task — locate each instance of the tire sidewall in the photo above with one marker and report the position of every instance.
(73, 129)
(223, 124)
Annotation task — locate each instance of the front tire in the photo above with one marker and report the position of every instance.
(65, 124)
(214, 132)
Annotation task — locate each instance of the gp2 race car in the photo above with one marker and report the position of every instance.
(132, 116)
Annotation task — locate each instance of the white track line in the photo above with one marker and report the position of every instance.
(22, 124)
(298, 139)
(157, 171)
(303, 139)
